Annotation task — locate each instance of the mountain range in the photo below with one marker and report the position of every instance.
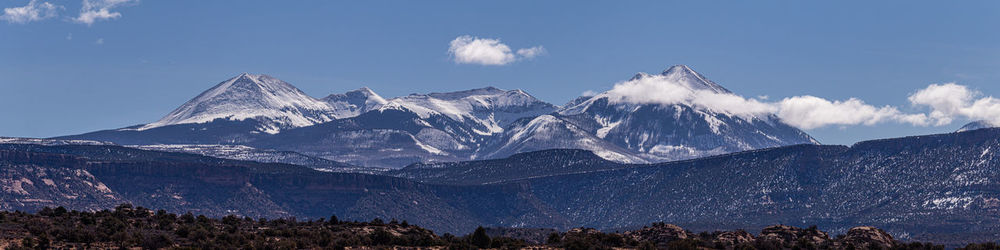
(361, 128)
(256, 146)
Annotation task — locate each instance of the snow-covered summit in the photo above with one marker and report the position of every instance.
(355, 102)
(684, 74)
(490, 107)
(678, 84)
(274, 103)
(668, 116)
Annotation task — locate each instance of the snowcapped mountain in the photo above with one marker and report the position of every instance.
(240, 109)
(478, 112)
(650, 118)
(275, 104)
(359, 127)
(652, 127)
(432, 127)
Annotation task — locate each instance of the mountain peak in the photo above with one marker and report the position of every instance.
(246, 76)
(365, 90)
(354, 102)
(684, 74)
(639, 75)
(678, 68)
(273, 102)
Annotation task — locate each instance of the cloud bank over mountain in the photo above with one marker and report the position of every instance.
(946, 102)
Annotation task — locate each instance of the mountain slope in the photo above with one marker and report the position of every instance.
(553, 132)
(354, 103)
(478, 112)
(246, 153)
(416, 128)
(518, 166)
(653, 127)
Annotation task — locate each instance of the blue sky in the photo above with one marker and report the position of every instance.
(62, 74)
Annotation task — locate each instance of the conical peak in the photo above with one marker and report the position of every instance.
(250, 96)
(683, 73)
(679, 68)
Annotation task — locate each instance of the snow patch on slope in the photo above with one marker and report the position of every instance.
(354, 103)
(489, 107)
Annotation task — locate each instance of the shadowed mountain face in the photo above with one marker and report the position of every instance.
(934, 187)
(361, 128)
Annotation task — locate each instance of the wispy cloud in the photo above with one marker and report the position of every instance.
(486, 51)
(99, 41)
(34, 11)
(97, 10)
(532, 52)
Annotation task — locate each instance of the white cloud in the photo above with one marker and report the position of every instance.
(949, 101)
(97, 10)
(99, 41)
(805, 112)
(34, 11)
(532, 52)
(809, 112)
(486, 51)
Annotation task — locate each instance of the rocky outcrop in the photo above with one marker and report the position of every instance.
(659, 232)
(868, 238)
(786, 234)
(662, 235)
(734, 238)
(580, 232)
